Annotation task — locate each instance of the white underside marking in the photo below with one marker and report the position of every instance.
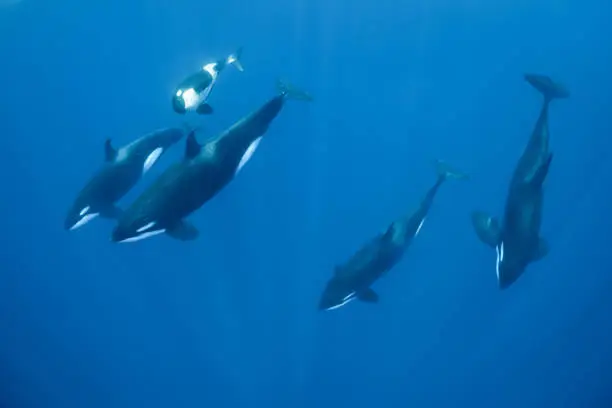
(151, 159)
(499, 249)
(341, 304)
(190, 98)
(146, 227)
(210, 68)
(144, 236)
(248, 154)
(350, 295)
(345, 300)
(419, 227)
(84, 220)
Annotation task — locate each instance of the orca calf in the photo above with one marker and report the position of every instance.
(193, 92)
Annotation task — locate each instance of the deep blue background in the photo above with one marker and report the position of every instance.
(230, 319)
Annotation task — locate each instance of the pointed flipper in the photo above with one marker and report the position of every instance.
(192, 147)
(234, 59)
(290, 92)
(487, 228)
(368, 296)
(541, 251)
(539, 175)
(550, 89)
(110, 153)
(446, 172)
(183, 231)
(204, 109)
(112, 212)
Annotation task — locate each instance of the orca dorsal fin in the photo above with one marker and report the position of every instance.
(110, 153)
(192, 148)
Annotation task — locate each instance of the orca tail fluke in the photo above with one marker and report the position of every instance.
(234, 59)
(547, 87)
(446, 172)
(291, 92)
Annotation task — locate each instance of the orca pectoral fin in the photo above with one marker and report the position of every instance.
(539, 175)
(112, 212)
(204, 109)
(183, 231)
(541, 251)
(368, 296)
(487, 228)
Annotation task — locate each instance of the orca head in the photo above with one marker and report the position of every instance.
(135, 231)
(79, 215)
(336, 295)
(509, 266)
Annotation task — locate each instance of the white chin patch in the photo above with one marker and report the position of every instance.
(151, 159)
(500, 257)
(190, 98)
(84, 220)
(144, 236)
(345, 300)
(248, 154)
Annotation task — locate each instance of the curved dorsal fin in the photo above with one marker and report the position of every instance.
(110, 154)
(192, 148)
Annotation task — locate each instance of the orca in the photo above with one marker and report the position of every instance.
(204, 171)
(354, 279)
(516, 239)
(121, 170)
(193, 92)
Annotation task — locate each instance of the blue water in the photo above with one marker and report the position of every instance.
(231, 319)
